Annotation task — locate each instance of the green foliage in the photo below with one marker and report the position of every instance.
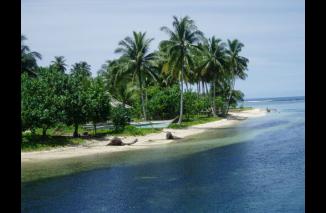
(98, 102)
(135, 61)
(37, 142)
(134, 131)
(147, 81)
(194, 121)
(163, 103)
(236, 97)
(242, 108)
(221, 105)
(194, 104)
(120, 118)
(59, 64)
(28, 59)
(76, 106)
(180, 49)
(42, 99)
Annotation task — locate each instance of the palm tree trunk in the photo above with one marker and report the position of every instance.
(142, 96)
(181, 96)
(146, 98)
(231, 89)
(213, 101)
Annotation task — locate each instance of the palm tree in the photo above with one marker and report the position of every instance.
(104, 68)
(28, 58)
(237, 65)
(120, 87)
(212, 62)
(136, 60)
(180, 48)
(82, 69)
(236, 96)
(59, 63)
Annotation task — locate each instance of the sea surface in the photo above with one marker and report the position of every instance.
(256, 166)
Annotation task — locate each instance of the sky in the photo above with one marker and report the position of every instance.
(273, 33)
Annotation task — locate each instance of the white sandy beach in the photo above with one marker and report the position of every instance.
(92, 147)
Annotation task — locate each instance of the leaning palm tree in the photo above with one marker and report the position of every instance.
(136, 60)
(180, 48)
(28, 58)
(212, 61)
(237, 65)
(59, 63)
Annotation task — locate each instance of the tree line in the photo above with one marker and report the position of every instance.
(188, 74)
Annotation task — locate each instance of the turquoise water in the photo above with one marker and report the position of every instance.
(256, 166)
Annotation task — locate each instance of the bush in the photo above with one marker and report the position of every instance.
(120, 118)
(194, 105)
(163, 103)
(220, 105)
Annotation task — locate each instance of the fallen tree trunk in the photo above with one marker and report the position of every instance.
(118, 142)
(169, 136)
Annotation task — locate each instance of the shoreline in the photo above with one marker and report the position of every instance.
(93, 146)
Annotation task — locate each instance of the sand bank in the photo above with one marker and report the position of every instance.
(92, 147)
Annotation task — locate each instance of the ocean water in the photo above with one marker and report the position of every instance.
(256, 166)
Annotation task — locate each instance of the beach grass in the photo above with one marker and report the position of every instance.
(39, 143)
(127, 131)
(193, 121)
(240, 109)
(60, 137)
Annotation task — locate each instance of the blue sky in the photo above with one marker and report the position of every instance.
(272, 31)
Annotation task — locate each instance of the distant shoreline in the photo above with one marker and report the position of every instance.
(93, 147)
(284, 98)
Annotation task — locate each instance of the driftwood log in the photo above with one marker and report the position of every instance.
(169, 136)
(118, 142)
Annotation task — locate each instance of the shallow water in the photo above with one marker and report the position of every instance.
(256, 166)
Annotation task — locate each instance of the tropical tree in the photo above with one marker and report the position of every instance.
(236, 96)
(59, 63)
(180, 49)
(28, 58)
(98, 102)
(43, 100)
(212, 62)
(77, 86)
(162, 102)
(104, 68)
(136, 61)
(120, 87)
(81, 69)
(237, 65)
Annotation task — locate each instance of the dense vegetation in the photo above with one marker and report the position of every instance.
(189, 76)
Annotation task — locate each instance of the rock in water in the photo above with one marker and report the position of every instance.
(169, 136)
(116, 142)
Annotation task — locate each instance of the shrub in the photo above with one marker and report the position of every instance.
(120, 117)
(220, 103)
(163, 103)
(194, 104)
